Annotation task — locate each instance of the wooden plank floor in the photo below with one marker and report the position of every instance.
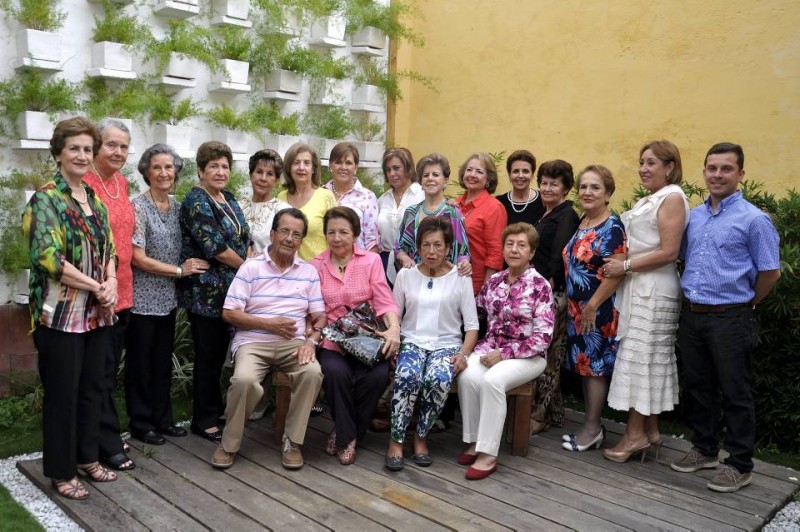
(175, 488)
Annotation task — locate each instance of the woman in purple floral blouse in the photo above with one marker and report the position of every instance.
(518, 303)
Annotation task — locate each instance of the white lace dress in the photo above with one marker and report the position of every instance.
(645, 374)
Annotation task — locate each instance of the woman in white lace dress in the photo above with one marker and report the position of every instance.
(645, 379)
(259, 210)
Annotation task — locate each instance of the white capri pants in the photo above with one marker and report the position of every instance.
(482, 394)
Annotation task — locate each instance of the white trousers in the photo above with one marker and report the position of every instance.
(482, 394)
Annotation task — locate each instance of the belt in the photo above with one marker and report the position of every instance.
(709, 309)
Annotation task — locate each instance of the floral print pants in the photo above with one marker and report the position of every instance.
(425, 371)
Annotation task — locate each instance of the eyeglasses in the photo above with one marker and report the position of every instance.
(284, 232)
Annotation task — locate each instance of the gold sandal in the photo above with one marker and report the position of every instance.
(71, 489)
(97, 472)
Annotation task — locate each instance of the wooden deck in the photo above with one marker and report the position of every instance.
(175, 488)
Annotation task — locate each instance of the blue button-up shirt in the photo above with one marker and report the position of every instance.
(724, 251)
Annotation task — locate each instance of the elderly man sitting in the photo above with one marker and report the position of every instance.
(269, 303)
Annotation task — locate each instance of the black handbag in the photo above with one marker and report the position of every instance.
(355, 333)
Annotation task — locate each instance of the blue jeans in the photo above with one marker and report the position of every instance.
(715, 355)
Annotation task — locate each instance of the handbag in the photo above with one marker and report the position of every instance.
(355, 333)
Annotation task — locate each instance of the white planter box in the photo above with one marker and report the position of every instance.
(323, 146)
(232, 8)
(284, 81)
(237, 141)
(369, 151)
(369, 36)
(179, 137)
(328, 92)
(34, 125)
(232, 71)
(332, 27)
(111, 55)
(21, 288)
(279, 143)
(39, 45)
(367, 95)
(182, 67)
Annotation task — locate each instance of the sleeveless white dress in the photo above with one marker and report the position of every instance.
(645, 374)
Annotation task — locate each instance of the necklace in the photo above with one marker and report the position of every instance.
(232, 219)
(435, 211)
(158, 202)
(523, 203)
(102, 182)
(336, 192)
(590, 222)
(430, 280)
(85, 195)
(341, 266)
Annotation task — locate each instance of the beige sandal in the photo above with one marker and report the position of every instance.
(71, 489)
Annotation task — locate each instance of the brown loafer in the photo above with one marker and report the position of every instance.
(291, 456)
(222, 459)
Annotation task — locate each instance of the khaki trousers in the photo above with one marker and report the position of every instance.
(253, 362)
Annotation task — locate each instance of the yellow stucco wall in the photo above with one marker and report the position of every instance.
(591, 81)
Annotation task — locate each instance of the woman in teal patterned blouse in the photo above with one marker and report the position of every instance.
(214, 229)
(73, 290)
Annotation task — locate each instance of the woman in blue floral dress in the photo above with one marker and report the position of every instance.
(591, 316)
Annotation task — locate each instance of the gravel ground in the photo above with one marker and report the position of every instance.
(53, 518)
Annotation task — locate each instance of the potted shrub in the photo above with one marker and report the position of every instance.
(39, 44)
(34, 101)
(327, 126)
(283, 130)
(233, 46)
(368, 135)
(329, 24)
(369, 23)
(367, 91)
(126, 100)
(235, 126)
(327, 86)
(116, 37)
(169, 116)
(237, 9)
(176, 54)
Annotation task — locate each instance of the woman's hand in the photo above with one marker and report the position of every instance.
(459, 362)
(404, 260)
(107, 292)
(588, 317)
(464, 268)
(491, 358)
(193, 266)
(391, 342)
(613, 268)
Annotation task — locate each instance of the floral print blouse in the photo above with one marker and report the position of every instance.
(520, 315)
(208, 229)
(363, 201)
(58, 231)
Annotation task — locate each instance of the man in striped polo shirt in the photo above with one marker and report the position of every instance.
(269, 302)
(732, 262)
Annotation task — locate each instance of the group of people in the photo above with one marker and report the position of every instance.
(494, 291)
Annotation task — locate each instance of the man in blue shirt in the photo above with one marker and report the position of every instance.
(732, 262)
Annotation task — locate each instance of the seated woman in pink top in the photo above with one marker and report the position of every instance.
(350, 276)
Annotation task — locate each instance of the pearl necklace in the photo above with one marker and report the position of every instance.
(85, 195)
(336, 192)
(102, 179)
(523, 203)
(233, 219)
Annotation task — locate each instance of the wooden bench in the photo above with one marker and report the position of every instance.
(518, 419)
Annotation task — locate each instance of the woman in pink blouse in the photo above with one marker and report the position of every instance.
(108, 182)
(350, 276)
(518, 303)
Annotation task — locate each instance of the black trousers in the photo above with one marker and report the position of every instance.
(211, 339)
(715, 355)
(352, 391)
(148, 371)
(71, 368)
(110, 440)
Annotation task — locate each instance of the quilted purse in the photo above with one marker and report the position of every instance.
(355, 333)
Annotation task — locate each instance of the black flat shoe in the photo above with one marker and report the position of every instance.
(151, 437)
(394, 463)
(120, 462)
(174, 431)
(215, 437)
(422, 459)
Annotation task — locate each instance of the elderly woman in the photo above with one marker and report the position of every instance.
(436, 303)
(434, 172)
(518, 303)
(73, 292)
(214, 229)
(108, 182)
(645, 380)
(556, 226)
(350, 276)
(302, 173)
(156, 255)
(349, 192)
(522, 203)
(404, 191)
(591, 317)
(259, 209)
(484, 216)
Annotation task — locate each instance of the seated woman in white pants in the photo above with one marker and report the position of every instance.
(518, 303)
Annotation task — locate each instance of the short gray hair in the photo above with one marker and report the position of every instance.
(158, 149)
(113, 123)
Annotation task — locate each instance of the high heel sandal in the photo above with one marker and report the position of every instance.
(623, 456)
(573, 445)
(71, 489)
(347, 455)
(97, 472)
(330, 445)
(656, 443)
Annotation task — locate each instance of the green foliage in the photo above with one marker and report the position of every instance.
(39, 15)
(328, 122)
(186, 180)
(376, 72)
(231, 42)
(116, 26)
(187, 40)
(122, 99)
(162, 108)
(33, 91)
(267, 115)
(387, 18)
(366, 130)
(229, 118)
